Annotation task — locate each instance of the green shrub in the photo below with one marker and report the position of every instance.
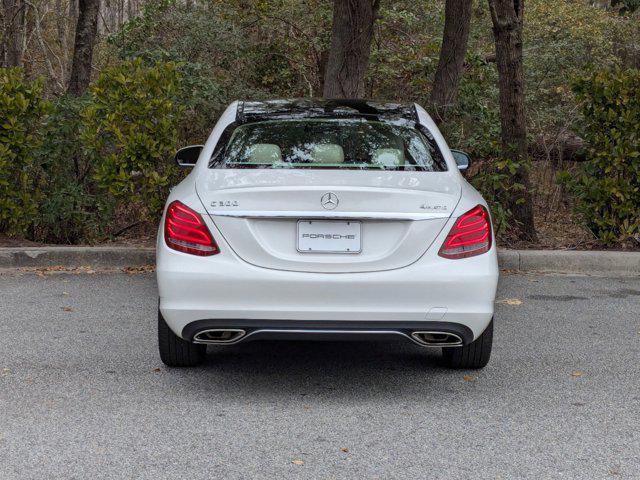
(608, 187)
(200, 96)
(220, 59)
(22, 110)
(130, 131)
(495, 183)
(70, 211)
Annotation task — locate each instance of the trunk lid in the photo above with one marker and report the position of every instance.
(257, 212)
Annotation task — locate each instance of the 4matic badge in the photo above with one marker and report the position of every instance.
(434, 208)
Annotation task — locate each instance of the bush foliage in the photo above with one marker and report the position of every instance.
(66, 166)
(495, 181)
(22, 112)
(70, 210)
(130, 130)
(608, 188)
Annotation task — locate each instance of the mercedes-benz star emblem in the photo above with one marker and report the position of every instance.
(329, 201)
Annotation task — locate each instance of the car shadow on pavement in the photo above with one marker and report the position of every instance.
(272, 369)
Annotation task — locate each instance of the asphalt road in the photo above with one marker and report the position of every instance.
(84, 395)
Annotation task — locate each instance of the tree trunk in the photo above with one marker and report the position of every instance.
(457, 21)
(506, 16)
(73, 11)
(86, 29)
(13, 37)
(351, 36)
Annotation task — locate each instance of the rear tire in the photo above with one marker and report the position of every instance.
(474, 355)
(176, 352)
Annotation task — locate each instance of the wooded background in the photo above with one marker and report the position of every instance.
(517, 83)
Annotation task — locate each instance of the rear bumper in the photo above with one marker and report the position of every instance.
(323, 330)
(226, 290)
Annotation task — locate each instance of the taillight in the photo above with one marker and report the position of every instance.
(185, 231)
(471, 235)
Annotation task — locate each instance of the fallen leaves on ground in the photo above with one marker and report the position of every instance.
(139, 269)
(509, 271)
(510, 301)
(344, 449)
(42, 271)
(297, 462)
(468, 378)
(67, 309)
(53, 268)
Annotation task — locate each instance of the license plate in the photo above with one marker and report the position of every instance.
(320, 236)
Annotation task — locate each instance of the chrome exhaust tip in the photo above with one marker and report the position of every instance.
(219, 336)
(437, 339)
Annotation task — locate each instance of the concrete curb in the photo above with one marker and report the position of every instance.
(40, 257)
(560, 261)
(572, 261)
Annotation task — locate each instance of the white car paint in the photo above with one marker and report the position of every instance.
(259, 274)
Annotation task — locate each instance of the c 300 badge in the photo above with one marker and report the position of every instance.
(224, 203)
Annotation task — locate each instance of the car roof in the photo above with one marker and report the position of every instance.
(253, 111)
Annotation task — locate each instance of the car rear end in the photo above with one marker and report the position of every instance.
(328, 248)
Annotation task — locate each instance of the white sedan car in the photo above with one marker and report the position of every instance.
(337, 219)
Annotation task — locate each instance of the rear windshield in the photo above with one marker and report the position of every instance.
(329, 144)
